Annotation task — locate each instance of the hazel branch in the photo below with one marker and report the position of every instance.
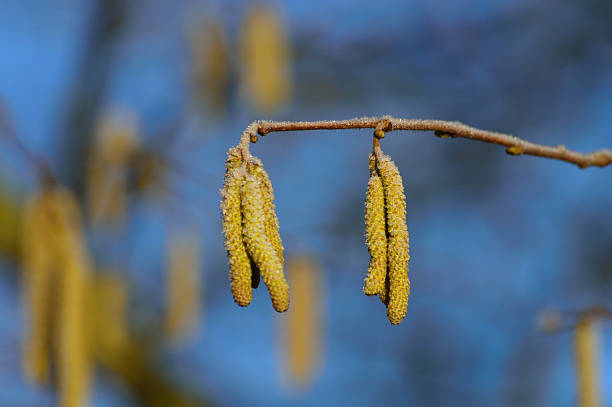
(441, 128)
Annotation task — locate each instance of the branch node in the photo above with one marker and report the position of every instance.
(261, 130)
(385, 124)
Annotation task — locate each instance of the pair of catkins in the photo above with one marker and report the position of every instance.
(387, 236)
(254, 246)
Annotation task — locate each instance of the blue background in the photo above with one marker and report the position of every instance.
(494, 238)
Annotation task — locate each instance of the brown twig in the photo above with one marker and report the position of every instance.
(553, 321)
(441, 128)
(7, 130)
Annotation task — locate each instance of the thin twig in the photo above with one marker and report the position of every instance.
(7, 130)
(553, 321)
(514, 145)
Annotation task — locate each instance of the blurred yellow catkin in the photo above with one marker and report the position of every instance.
(183, 284)
(108, 299)
(39, 280)
(116, 139)
(586, 342)
(265, 59)
(57, 269)
(302, 328)
(210, 59)
(74, 360)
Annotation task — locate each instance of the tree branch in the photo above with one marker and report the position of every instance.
(441, 128)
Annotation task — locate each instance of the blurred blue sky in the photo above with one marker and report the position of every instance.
(494, 238)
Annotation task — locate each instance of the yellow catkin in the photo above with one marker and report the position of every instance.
(267, 197)
(265, 51)
(108, 301)
(210, 69)
(183, 283)
(116, 140)
(259, 247)
(240, 264)
(303, 325)
(38, 282)
(56, 271)
(397, 249)
(74, 342)
(586, 342)
(376, 236)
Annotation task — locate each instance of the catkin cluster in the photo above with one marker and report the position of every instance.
(250, 226)
(387, 237)
(57, 270)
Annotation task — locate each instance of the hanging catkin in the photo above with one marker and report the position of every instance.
(267, 197)
(116, 140)
(397, 249)
(38, 281)
(183, 300)
(57, 270)
(240, 264)
(376, 238)
(258, 246)
(210, 64)
(74, 353)
(586, 342)
(265, 59)
(108, 303)
(302, 327)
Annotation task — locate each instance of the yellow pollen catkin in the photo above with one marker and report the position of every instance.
(116, 141)
(68, 269)
(302, 327)
(265, 59)
(108, 306)
(376, 237)
(183, 285)
(267, 197)
(210, 64)
(259, 247)
(38, 282)
(240, 264)
(397, 249)
(586, 342)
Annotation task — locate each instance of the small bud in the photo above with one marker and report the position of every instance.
(514, 150)
(443, 134)
(378, 133)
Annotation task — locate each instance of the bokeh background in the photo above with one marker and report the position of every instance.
(133, 105)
